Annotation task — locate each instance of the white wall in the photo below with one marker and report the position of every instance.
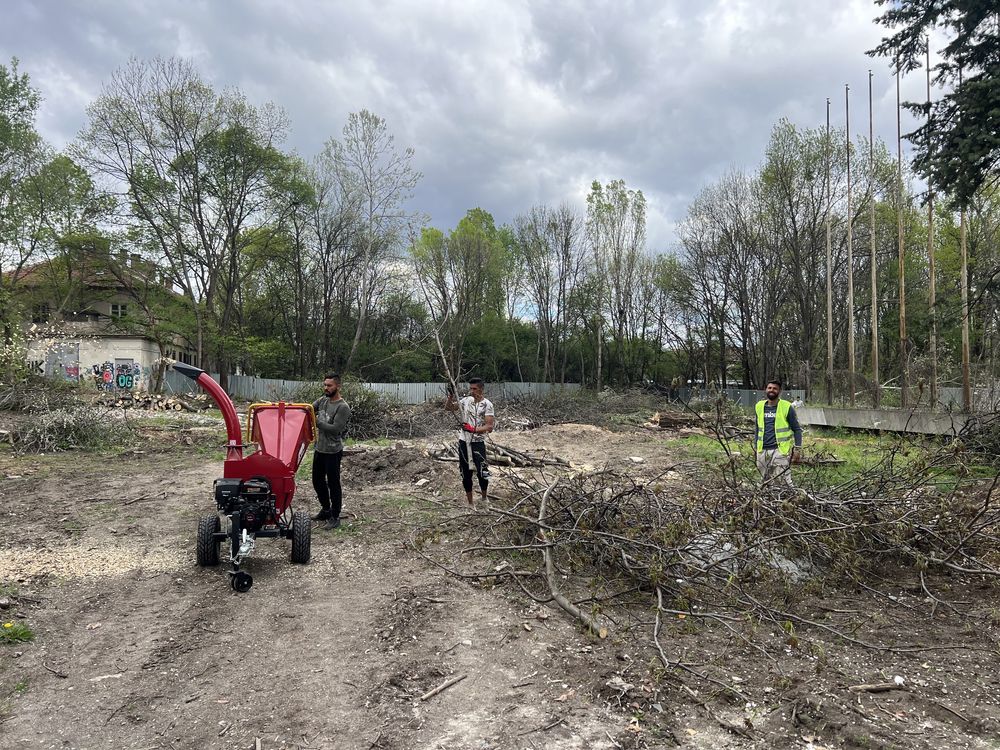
(55, 356)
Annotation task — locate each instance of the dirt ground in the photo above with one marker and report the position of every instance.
(137, 647)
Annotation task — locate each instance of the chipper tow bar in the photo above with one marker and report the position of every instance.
(254, 496)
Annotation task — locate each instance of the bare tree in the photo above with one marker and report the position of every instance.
(381, 179)
(616, 230)
(192, 170)
(550, 248)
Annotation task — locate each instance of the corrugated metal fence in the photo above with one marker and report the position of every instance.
(249, 388)
(741, 396)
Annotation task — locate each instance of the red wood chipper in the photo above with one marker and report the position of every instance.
(254, 495)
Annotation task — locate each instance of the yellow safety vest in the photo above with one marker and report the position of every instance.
(782, 432)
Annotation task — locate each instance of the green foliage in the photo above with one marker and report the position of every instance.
(267, 357)
(15, 632)
(13, 355)
(369, 410)
(958, 147)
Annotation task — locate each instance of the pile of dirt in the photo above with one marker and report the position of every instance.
(581, 444)
(402, 463)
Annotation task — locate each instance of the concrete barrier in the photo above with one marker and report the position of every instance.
(898, 420)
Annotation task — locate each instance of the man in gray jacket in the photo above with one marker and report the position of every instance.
(332, 416)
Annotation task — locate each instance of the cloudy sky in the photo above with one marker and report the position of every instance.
(506, 104)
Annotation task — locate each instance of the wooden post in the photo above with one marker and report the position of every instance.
(874, 262)
(904, 349)
(850, 253)
(829, 270)
(966, 375)
(932, 291)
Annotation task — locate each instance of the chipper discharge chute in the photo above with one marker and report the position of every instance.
(254, 496)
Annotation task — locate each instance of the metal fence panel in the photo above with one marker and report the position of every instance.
(746, 398)
(983, 399)
(249, 388)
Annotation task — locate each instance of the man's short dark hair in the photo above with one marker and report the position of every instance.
(335, 377)
(477, 381)
(774, 382)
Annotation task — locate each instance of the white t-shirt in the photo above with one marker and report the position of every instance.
(474, 414)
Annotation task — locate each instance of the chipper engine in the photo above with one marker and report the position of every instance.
(254, 496)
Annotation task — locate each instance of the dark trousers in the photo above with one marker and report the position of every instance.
(326, 481)
(479, 459)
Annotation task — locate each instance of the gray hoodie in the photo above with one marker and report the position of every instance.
(331, 420)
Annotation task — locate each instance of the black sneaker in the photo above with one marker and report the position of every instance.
(333, 523)
(322, 515)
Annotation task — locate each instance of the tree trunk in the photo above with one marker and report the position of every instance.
(359, 329)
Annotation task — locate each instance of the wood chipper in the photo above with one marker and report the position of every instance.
(254, 496)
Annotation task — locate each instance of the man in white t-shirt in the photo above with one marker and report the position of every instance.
(477, 416)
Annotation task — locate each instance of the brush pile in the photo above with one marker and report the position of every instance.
(499, 455)
(610, 546)
(156, 401)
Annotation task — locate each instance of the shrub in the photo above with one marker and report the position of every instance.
(369, 409)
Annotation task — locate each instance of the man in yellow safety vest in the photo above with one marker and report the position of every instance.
(778, 441)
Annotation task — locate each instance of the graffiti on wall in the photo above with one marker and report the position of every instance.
(111, 376)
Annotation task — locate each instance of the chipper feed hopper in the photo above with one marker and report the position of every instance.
(254, 495)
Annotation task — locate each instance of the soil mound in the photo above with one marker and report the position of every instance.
(400, 463)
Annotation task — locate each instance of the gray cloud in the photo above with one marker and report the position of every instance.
(507, 104)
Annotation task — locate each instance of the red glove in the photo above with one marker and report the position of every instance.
(469, 428)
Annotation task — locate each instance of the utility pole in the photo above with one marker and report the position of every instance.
(932, 292)
(850, 253)
(829, 271)
(966, 377)
(904, 349)
(874, 264)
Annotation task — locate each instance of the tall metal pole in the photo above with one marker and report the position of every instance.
(874, 264)
(850, 252)
(829, 271)
(932, 292)
(904, 349)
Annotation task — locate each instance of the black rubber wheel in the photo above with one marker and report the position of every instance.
(301, 537)
(242, 582)
(208, 545)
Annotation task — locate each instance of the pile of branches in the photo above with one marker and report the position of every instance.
(606, 409)
(34, 393)
(604, 545)
(982, 435)
(53, 419)
(370, 411)
(76, 427)
(419, 420)
(157, 401)
(499, 455)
